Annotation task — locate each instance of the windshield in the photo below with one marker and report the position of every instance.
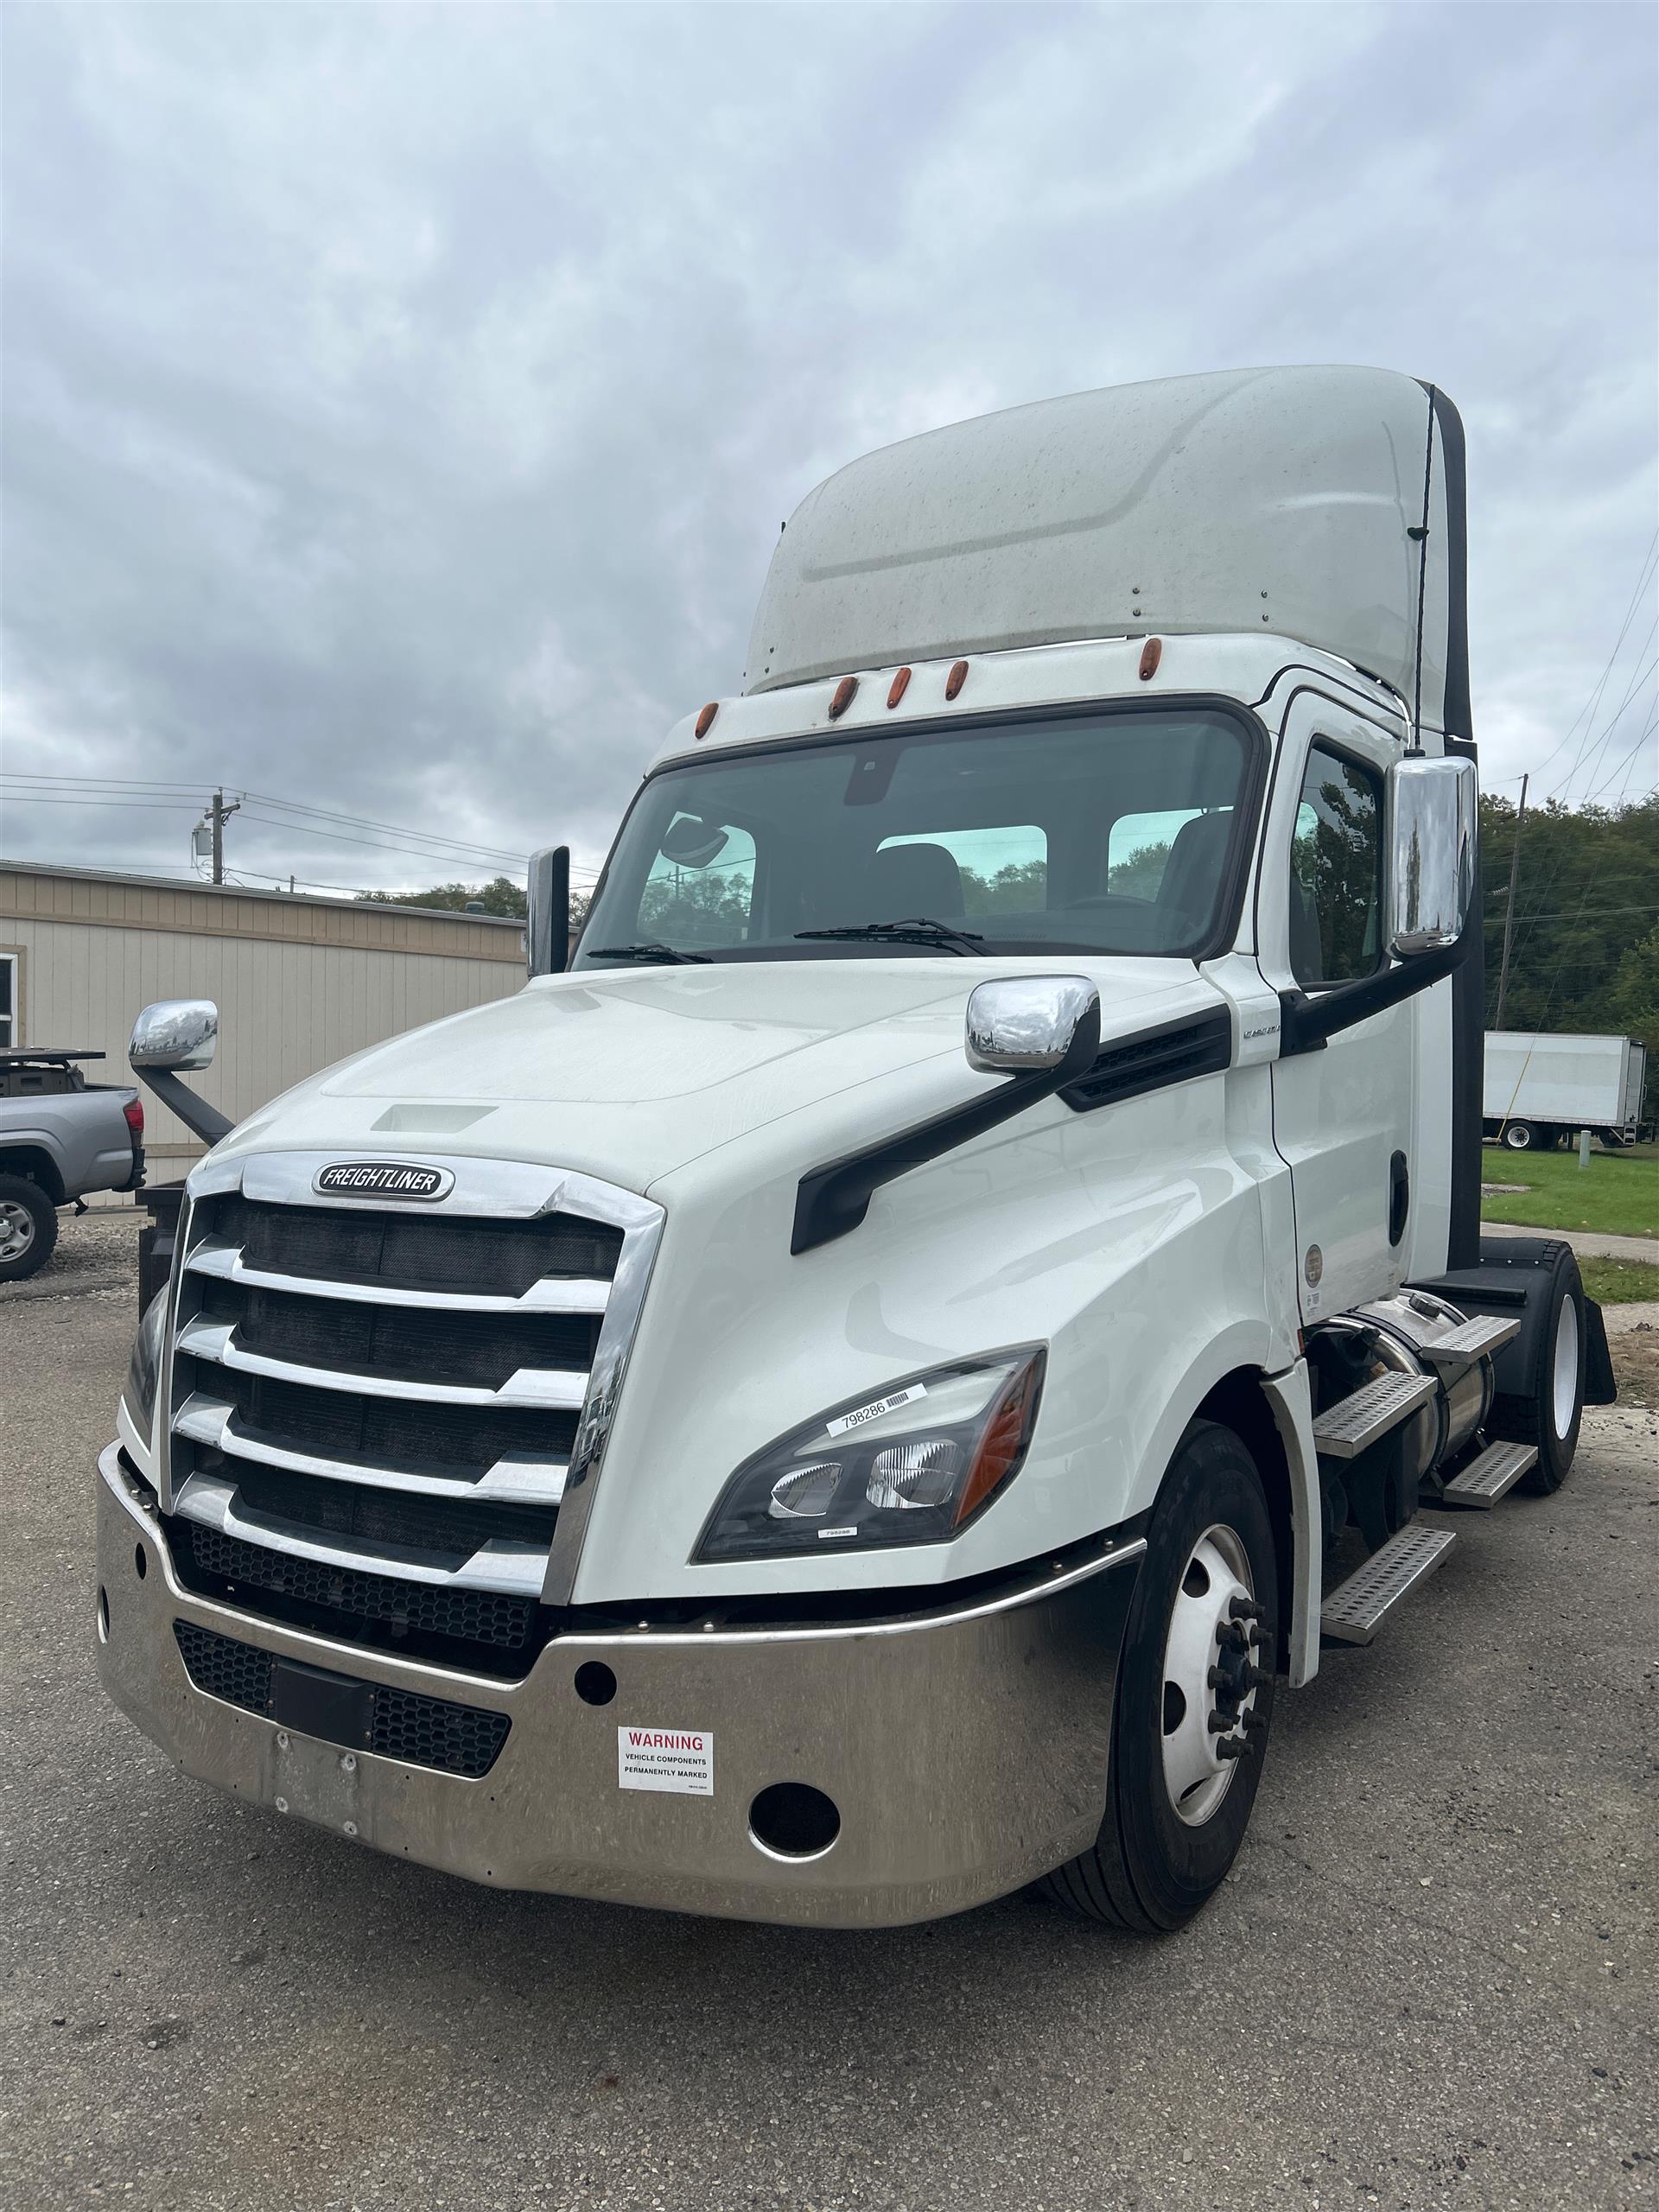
(1109, 830)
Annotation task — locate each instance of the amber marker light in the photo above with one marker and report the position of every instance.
(1151, 653)
(900, 685)
(1002, 1445)
(706, 719)
(844, 698)
(957, 677)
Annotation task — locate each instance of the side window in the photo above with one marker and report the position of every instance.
(1336, 871)
(700, 887)
(8, 1000)
(1003, 871)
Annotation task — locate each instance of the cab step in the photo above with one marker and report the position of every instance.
(1354, 1423)
(1356, 1609)
(1476, 1339)
(1491, 1476)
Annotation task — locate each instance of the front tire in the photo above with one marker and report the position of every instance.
(1198, 1651)
(29, 1228)
(1521, 1136)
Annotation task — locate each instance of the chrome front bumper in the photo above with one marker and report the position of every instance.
(966, 1751)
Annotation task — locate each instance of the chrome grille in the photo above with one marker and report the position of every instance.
(396, 1393)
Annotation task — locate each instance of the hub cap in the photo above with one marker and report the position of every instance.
(1211, 1674)
(1565, 1380)
(16, 1230)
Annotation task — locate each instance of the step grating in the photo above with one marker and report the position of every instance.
(1354, 1423)
(1357, 1608)
(1473, 1340)
(1486, 1479)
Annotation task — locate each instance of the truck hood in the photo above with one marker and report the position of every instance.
(630, 1075)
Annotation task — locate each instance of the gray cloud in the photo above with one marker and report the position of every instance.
(400, 406)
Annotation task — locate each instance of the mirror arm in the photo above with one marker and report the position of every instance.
(204, 1120)
(1306, 1022)
(832, 1200)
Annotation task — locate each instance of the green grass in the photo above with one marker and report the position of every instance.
(1618, 1192)
(1619, 1282)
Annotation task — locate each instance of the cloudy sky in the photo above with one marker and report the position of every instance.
(400, 406)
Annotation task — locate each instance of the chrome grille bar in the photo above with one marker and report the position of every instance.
(531, 1386)
(515, 1478)
(495, 1565)
(552, 1295)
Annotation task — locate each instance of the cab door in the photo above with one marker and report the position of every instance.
(1343, 1113)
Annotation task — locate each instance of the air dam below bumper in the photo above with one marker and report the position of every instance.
(965, 1750)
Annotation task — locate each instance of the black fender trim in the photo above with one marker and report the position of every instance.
(832, 1200)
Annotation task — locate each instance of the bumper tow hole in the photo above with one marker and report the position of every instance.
(103, 1614)
(791, 1820)
(595, 1683)
(140, 1561)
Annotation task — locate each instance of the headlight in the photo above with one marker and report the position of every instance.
(140, 1393)
(911, 1465)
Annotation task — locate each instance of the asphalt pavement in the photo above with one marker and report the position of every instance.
(1431, 1980)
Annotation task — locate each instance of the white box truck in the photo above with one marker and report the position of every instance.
(856, 1394)
(1540, 1089)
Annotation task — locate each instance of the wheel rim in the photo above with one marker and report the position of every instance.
(1517, 1137)
(16, 1230)
(1565, 1390)
(1208, 1671)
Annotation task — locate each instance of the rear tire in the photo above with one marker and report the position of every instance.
(1519, 1136)
(29, 1228)
(1549, 1413)
(1176, 1810)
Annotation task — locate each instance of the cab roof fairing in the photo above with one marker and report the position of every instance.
(1288, 501)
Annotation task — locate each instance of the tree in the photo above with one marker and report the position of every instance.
(500, 895)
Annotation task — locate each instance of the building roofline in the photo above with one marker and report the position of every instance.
(248, 891)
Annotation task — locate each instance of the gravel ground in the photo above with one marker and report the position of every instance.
(1430, 1981)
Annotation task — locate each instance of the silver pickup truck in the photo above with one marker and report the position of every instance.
(60, 1136)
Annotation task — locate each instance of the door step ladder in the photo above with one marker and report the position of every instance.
(1354, 1611)
(1452, 1355)
(1491, 1476)
(1354, 1423)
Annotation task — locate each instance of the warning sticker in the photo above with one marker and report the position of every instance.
(873, 1411)
(680, 1759)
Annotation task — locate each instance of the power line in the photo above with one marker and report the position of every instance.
(1588, 710)
(422, 837)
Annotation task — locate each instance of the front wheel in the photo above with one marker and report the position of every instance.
(1194, 1696)
(1521, 1136)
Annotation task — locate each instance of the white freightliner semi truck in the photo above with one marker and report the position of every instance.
(852, 1397)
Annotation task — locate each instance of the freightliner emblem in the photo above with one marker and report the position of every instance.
(383, 1179)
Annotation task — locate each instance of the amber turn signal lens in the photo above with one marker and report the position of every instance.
(1002, 1445)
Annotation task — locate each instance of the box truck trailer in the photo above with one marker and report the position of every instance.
(857, 1392)
(1539, 1088)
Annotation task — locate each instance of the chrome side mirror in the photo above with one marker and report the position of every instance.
(178, 1034)
(1433, 818)
(547, 937)
(1021, 1024)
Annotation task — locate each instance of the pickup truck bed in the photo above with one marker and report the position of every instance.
(60, 1138)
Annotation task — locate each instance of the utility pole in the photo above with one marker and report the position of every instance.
(219, 814)
(1508, 915)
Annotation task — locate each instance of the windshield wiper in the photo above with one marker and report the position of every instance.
(649, 950)
(918, 929)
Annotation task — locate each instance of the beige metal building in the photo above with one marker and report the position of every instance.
(299, 981)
